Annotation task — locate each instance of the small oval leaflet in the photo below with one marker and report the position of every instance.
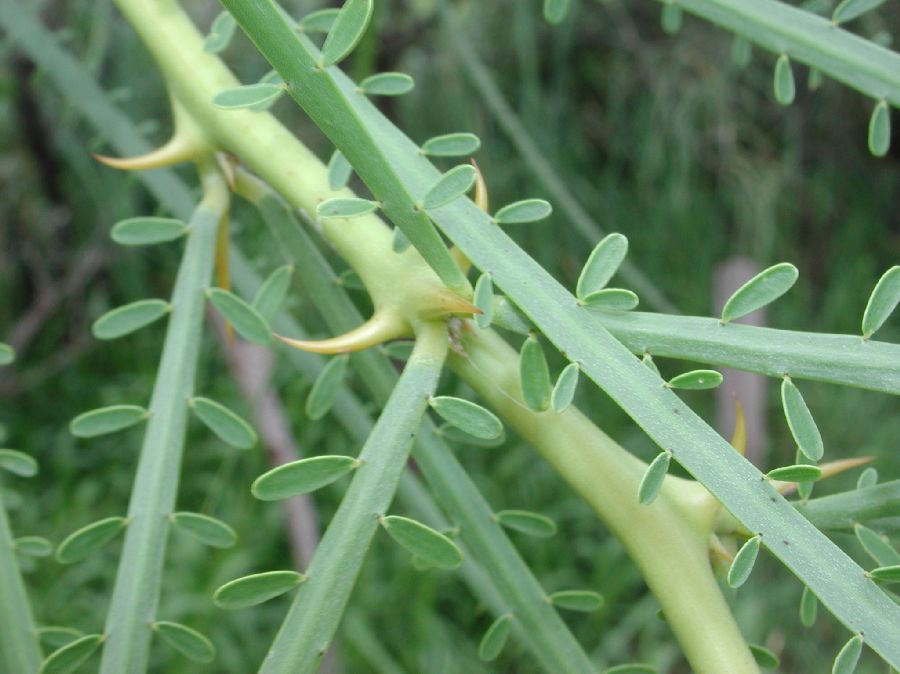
(128, 318)
(256, 588)
(741, 51)
(454, 434)
(301, 477)
(556, 10)
(272, 77)
(527, 210)
(851, 9)
(484, 300)
(467, 416)
(882, 302)
(18, 463)
(764, 288)
(208, 530)
(868, 478)
(399, 243)
(349, 207)
(33, 546)
(246, 320)
(847, 658)
(631, 668)
(319, 21)
(387, 84)
(611, 299)
(800, 420)
(450, 186)
(653, 478)
(743, 563)
(523, 521)
(650, 364)
(350, 280)
(671, 19)
(220, 33)
(347, 30)
(87, 540)
(534, 375)
(339, 170)
(423, 541)
(800, 472)
(452, 145)
(106, 420)
(809, 607)
(764, 657)
(878, 548)
(7, 354)
(227, 425)
(147, 231)
(57, 637)
(494, 639)
(271, 293)
(564, 389)
(190, 643)
(696, 380)
(256, 96)
(69, 657)
(399, 350)
(326, 387)
(887, 574)
(583, 601)
(880, 129)
(507, 316)
(783, 81)
(603, 263)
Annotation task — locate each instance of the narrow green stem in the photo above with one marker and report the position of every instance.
(842, 511)
(19, 647)
(139, 578)
(314, 615)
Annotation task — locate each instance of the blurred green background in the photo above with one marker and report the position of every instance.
(660, 137)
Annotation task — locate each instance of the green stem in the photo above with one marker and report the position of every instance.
(139, 578)
(314, 615)
(842, 511)
(19, 647)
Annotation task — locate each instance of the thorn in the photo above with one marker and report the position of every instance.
(175, 151)
(481, 192)
(739, 437)
(449, 304)
(378, 329)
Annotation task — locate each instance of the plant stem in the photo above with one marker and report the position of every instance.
(153, 497)
(314, 615)
(19, 647)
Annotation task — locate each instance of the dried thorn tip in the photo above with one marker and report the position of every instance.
(175, 151)
(377, 330)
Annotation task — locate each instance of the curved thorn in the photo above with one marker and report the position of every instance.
(378, 329)
(176, 150)
(739, 437)
(481, 192)
(449, 304)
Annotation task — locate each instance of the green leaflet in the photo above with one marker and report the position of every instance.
(450, 186)
(18, 463)
(256, 588)
(508, 317)
(301, 477)
(451, 145)
(227, 425)
(764, 657)
(423, 542)
(494, 639)
(630, 669)
(647, 360)
(345, 207)
(350, 280)
(653, 478)
(348, 28)
(878, 547)
(696, 380)
(7, 354)
(454, 434)
(783, 81)
(399, 350)
(208, 530)
(253, 96)
(741, 51)
(851, 9)
(106, 420)
(85, 541)
(71, 656)
(484, 300)
(467, 416)
(387, 84)
(126, 319)
(399, 243)
(188, 642)
(603, 262)
(800, 472)
(220, 33)
(671, 19)
(611, 299)
(147, 231)
(527, 210)
(564, 390)
(246, 320)
(57, 637)
(326, 387)
(743, 563)
(534, 375)
(764, 288)
(882, 302)
(556, 10)
(809, 607)
(271, 294)
(880, 129)
(319, 21)
(867, 478)
(339, 170)
(886, 574)
(533, 524)
(33, 546)
(583, 601)
(846, 659)
(800, 420)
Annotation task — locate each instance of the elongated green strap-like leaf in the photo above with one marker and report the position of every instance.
(841, 511)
